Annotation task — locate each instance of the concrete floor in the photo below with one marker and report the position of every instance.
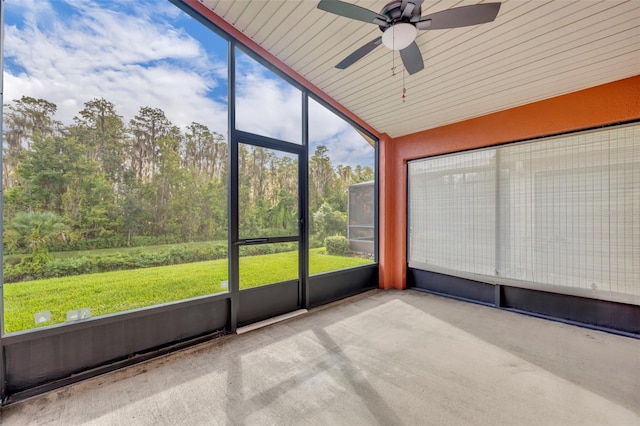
(387, 358)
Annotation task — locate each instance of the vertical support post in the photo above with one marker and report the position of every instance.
(498, 219)
(303, 205)
(232, 191)
(2, 357)
(376, 199)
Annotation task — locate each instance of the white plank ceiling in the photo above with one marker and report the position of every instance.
(533, 50)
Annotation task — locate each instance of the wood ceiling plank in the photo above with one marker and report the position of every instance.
(576, 56)
(293, 26)
(274, 24)
(522, 66)
(462, 107)
(268, 15)
(221, 8)
(251, 14)
(534, 49)
(531, 40)
(529, 56)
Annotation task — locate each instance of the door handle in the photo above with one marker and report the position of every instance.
(252, 241)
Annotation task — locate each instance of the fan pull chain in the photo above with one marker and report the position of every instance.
(393, 52)
(393, 71)
(404, 89)
(393, 64)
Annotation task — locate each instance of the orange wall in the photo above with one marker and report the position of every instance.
(606, 104)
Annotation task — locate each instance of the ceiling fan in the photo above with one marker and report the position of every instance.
(400, 21)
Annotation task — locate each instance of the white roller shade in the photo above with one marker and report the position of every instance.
(452, 225)
(562, 214)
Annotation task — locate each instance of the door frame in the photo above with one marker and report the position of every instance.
(273, 299)
(240, 315)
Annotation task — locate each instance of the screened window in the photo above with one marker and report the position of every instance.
(114, 160)
(341, 192)
(559, 214)
(453, 206)
(266, 104)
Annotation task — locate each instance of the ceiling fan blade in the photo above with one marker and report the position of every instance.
(352, 11)
(460, 17)
(359, 54)
(412, 58)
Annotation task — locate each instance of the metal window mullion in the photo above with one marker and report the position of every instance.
(233, 192)
(303, 205)
(376, 186)
(2, 356)
(497, 231)
(268, 143)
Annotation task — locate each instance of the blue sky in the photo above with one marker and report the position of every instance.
(150, 53)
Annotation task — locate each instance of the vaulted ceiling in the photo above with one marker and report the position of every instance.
(533, 50)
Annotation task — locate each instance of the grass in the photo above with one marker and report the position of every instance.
(118, 291)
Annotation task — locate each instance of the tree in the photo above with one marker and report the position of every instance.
(24, 119)
(321, 177)
(112, 182)
(35, 231)
(329, 222)
(43, 173)
(134, 207)
(363, 174)
(204, 151)
(146, 129)
(169, 183)
(283, 214)
(101, 130)
(88, 202)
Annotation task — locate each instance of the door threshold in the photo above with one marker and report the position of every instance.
(269, 321)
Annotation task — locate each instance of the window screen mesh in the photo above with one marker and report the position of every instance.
(562, 214)
(453, 213)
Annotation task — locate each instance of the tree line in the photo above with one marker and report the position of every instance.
(99, 182)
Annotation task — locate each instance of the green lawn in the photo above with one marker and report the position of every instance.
(119, 291)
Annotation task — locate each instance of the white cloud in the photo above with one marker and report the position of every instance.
(345, 144)
(130, 60)
(265, 104)
(269, 106)
(133, 55)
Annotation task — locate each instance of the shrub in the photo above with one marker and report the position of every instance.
(337, 245)
(114, 241)
(134, 259)
(327, 221)
(315, 241)
(261, 249)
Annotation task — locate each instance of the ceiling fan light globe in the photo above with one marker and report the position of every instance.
(399, 36)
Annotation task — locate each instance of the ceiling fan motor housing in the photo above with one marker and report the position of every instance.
(399, 32)
(393, 11)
